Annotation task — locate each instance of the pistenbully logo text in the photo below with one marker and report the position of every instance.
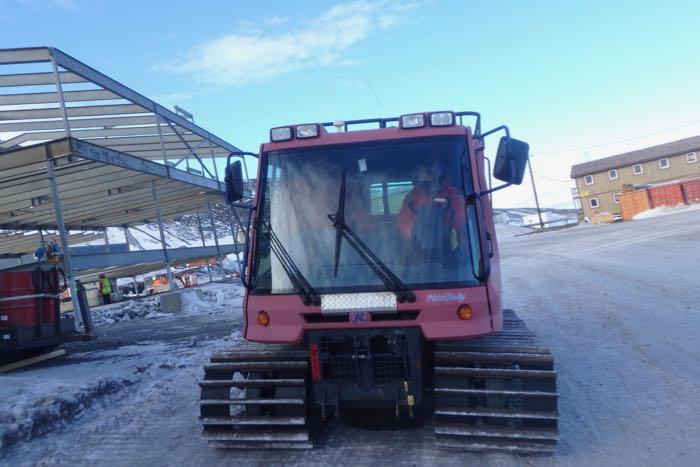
(445, 297)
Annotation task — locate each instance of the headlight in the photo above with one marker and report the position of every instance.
(442, 119)
(283, 133)
(412, 121)
(307, 131)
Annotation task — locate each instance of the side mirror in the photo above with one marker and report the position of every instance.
(234, 182)
(511, 160)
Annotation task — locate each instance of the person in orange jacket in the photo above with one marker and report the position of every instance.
(433, 208)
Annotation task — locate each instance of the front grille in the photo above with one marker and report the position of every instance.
(387, 369)
(342, 368)
(343, 357)
(315, 318)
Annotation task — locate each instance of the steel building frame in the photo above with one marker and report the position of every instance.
(103, 156)
(102, 111)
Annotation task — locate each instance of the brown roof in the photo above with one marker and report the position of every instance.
(636, 157)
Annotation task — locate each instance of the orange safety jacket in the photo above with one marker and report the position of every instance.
(454, 214)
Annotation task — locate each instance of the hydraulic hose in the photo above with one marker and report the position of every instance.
(44, 282)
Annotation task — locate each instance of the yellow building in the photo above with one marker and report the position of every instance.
(600, 182)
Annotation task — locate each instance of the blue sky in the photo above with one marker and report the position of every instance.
(577, 80)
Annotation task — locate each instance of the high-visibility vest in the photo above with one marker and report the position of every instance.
(106, 286)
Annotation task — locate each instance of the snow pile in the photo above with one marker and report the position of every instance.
(29, 417)
(224, 295)
(665, 211)
(147, 308)
(215, 298)
(191, 303)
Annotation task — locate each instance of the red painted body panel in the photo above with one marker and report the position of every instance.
(437, 320)
(24, 311)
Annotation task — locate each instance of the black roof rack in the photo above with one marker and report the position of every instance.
(382, 122)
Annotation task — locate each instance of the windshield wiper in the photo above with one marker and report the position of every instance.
(306, 292)
(342, 230)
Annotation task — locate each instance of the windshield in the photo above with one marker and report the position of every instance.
(404, 199)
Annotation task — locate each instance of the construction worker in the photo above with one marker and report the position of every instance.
(105, 289)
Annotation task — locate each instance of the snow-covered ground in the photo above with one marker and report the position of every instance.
(42, 399)
(616, 303)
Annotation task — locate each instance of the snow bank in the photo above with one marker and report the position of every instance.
(665, 211)
(216, 298)
(31, 414)
(146, 308)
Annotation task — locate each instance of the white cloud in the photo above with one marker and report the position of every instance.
(253, 55)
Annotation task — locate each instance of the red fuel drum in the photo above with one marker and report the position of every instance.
(24, 312)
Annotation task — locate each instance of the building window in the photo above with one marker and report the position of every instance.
(612, 174)
(691, 158)
(638, 169)
(588, 179)
(616, 198)
(593, 202)
(664, 163)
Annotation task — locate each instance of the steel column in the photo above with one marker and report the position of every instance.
(126, 237)
(213, 159)
(534, 191)
(106, 241)
(234, 234)
(160, 137)
(216, 239)
(204, 243)
(171, 282)
(59, 90)
(67, 267)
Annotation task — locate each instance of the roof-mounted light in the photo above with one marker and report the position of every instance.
(307, 131)
(442, 119)
(412, 121)
(283, 133)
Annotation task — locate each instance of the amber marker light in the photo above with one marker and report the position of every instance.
(464, 312)
(263, 318)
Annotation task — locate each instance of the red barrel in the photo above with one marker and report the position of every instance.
(23, 312)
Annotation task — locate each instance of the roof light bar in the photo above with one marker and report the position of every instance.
(283, 133)
(307, 131)
(442, 119)
(412, 121)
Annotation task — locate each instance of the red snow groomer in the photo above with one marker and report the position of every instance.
(373, 287)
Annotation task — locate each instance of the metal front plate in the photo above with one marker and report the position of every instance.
(348, 302)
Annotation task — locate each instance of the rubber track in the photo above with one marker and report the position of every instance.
(254, 397)
(496, 393)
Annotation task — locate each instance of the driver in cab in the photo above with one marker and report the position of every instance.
(433, 215)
